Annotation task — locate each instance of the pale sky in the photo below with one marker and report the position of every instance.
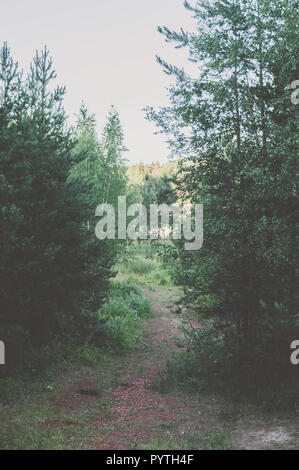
(104, 53)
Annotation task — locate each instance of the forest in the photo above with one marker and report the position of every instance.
(142, 344)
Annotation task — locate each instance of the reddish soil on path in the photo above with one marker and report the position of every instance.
(139, 412)
(139, 416)
(112, 402)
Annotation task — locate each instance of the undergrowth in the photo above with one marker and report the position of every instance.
(118, 326)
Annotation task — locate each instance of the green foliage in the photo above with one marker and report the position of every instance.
(54, 273)
(236, 132)
(41, 365)
(213, 362)
(138, 266)
(40, 225)
(121, 318)
(191, 441)
(117, 326)
(157, 191)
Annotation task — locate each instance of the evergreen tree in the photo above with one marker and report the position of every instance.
(54, 272)
(39, 220)
(241, 148)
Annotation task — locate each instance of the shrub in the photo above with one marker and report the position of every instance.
(121, 317)
(211, 363)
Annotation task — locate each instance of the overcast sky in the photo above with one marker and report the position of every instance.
(104, 52)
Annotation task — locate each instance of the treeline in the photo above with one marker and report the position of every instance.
(236, 130)
(54, 273)
(138, 172)
(152, 183)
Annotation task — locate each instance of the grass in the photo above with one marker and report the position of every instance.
(120, 327)
(30, 417)
(121, 324)
(33, 417)
(38, 433)
(38, 422)
(56, 359)
(137, 266)
(145, 273)
(193, 441)
(141, 264)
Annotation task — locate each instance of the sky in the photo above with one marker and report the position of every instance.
(104, 53)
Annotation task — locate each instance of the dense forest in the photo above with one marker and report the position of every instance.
(70, 300)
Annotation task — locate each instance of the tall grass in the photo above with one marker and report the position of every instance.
(140, 261)
(122, 316)
(137, 266)
(144, 250)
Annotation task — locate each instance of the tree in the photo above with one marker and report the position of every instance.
(157, 190)
(39, 221)
(241, 150)
(99, 178)
(54, 272)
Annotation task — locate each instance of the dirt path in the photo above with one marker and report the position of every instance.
(113, 404)
(138, 417)
(142, 415)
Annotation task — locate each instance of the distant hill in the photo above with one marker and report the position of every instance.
(137, 172)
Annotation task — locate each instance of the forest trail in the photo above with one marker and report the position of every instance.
(141, 415)
(138, 416)
(115, 403)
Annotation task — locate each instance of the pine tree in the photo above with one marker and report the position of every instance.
(54, 272)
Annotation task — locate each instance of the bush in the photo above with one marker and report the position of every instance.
(121, 317)
(212, 362)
